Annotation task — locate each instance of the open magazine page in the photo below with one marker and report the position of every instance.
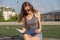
(21, 31)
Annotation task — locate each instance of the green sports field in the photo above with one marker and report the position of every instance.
(48, 31)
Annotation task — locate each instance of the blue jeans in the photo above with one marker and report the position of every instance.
(41, 36)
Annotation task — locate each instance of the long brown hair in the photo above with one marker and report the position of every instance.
(22, 13)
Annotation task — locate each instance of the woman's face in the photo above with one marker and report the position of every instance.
(27, 9)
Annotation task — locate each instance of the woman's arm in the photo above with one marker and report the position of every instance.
(24, 29)
(40, 23)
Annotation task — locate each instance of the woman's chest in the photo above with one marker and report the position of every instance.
(32, 21)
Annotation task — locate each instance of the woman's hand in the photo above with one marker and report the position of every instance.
(37, 31)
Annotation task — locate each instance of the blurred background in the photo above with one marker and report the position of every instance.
(50, 17)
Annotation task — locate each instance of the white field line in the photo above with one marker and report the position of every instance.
(43, 23)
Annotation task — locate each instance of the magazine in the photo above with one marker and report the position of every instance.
(21, 31)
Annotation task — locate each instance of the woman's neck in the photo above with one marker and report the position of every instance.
(29, 16)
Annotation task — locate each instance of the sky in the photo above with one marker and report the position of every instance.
(41, 5)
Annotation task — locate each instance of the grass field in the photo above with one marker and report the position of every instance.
(48, 31)
(51, 31)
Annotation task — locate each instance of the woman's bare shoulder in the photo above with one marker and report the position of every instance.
(37, 14)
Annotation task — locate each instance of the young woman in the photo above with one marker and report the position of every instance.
(31, 19)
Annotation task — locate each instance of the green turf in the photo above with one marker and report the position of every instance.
(49, 31)
(11, 31)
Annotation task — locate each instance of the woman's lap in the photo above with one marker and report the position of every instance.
(34, 34)
(39, 35)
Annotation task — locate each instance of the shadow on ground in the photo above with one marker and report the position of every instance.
(3, 37)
